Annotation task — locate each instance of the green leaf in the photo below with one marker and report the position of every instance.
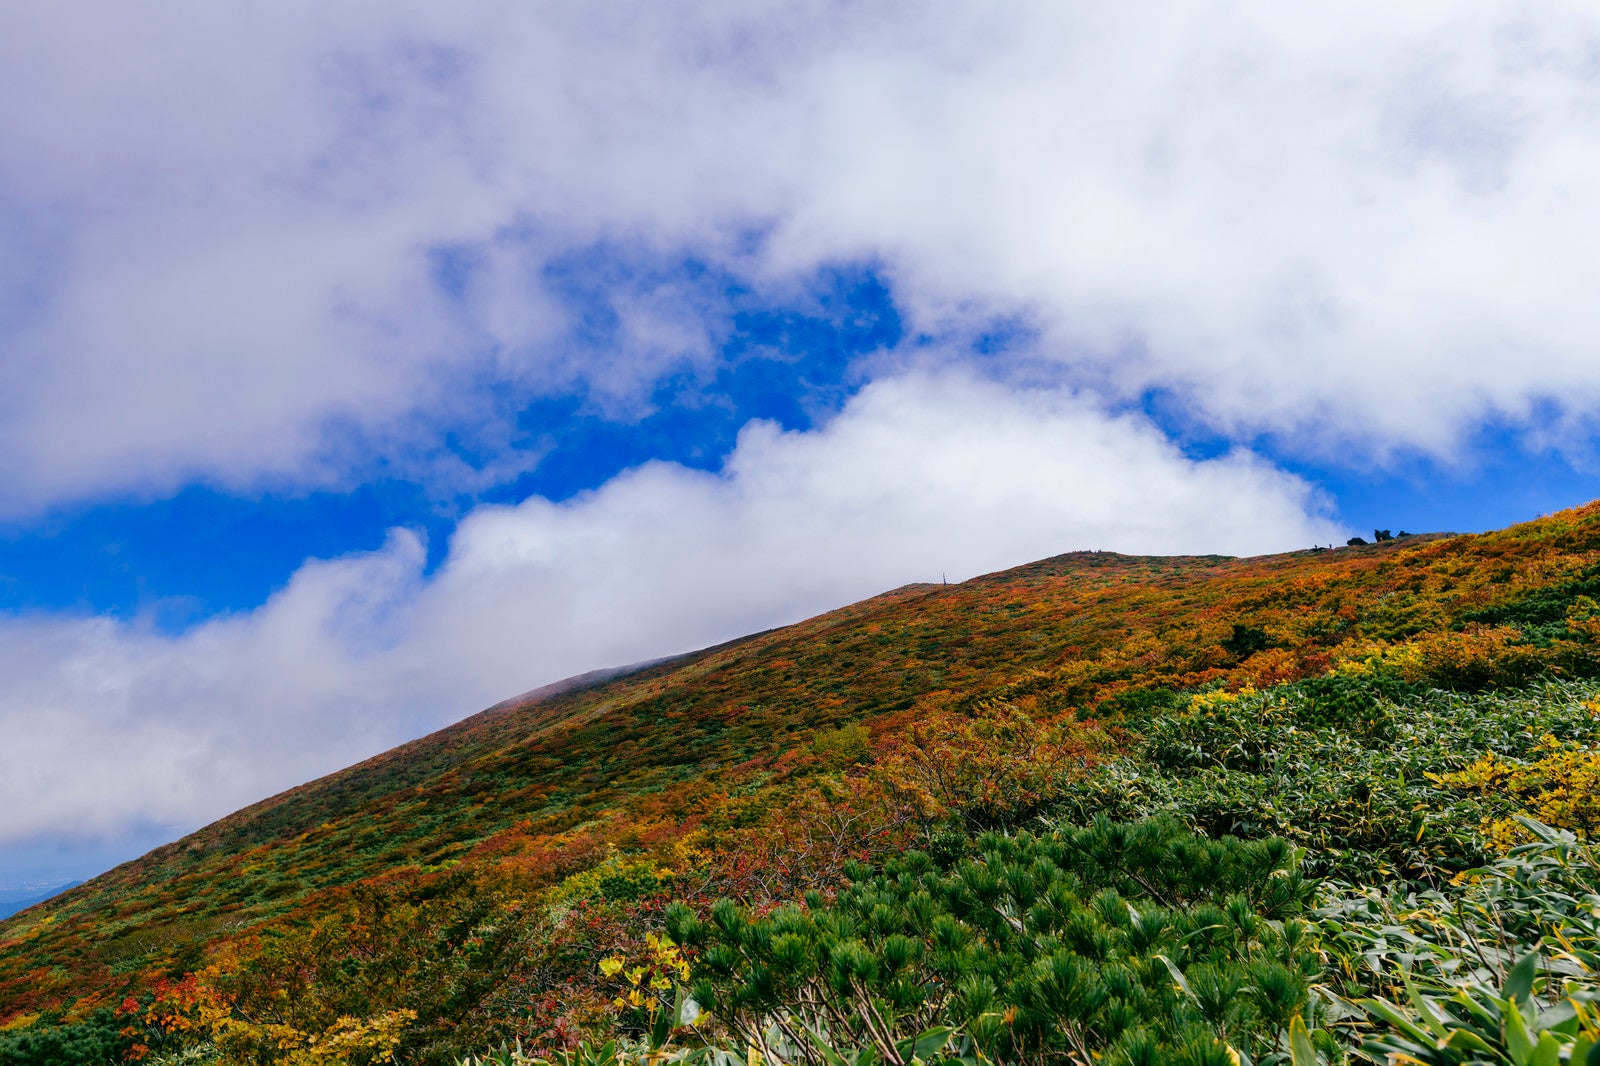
(1429, 1018)
(1467, 1040)
(1518, 1043)
(661, 1022)
(1394, 1016)
(1545, 833)
(1562, 1019)
(1177, 977)
(1301, 1053)
(926, 1045)
(1519, 982)
(829, 1056)
(1490, 1017)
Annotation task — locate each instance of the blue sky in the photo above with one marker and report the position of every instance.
(362, 367)
(199, 550)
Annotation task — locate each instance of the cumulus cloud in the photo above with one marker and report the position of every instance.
(1365, 225)
(923, 474)
(111, 726)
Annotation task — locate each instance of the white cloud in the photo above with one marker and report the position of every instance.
(113, 725)
(1366, 225)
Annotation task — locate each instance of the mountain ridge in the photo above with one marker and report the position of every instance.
(550, 783)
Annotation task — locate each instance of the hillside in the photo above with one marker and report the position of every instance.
(737, 770)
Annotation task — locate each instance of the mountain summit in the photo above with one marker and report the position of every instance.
(462, 889)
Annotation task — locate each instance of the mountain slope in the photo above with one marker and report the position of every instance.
(549, 786)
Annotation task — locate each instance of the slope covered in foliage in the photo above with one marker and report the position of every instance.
(1390, 709)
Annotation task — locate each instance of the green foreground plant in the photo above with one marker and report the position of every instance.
(1502, 968)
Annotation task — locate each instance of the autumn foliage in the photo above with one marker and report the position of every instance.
(464, 891)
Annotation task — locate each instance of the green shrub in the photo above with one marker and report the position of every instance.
(1245, 641)
(96, 1039)
(1339, 766)
(1502, 968)
(1114, 942)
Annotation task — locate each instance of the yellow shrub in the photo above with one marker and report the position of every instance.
(1204, 701)
(1561, 787)
(615, 878)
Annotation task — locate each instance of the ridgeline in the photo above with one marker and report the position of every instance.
(1374, 718)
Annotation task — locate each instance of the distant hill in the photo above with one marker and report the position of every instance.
(19, 898)
(720, 770)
